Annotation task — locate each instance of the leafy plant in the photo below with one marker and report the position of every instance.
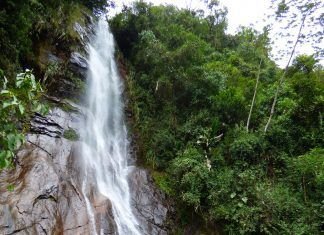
(18, 102)
(192, 87)
(70, 134)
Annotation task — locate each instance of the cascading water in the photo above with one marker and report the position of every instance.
(105, 145)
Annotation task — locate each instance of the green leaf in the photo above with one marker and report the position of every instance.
(11, 142)
(233, 195)
(5, 92)
(20, 79)
(10, 103)
(5, 82)
(244, 199)
(6, 104)
(2, 159)
(33, 82)
(14, 141)
(2, 163)
(38, 108)
(44, 109)
(25, 89)
(10, 187)
(5, 157)
(21, 109)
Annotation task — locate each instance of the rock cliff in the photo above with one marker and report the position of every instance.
(42, 193)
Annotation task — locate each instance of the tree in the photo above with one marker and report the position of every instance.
(254, 96)
(98, 5)
(258, 44)
(305, 9)
(189, 94)
(217, 22)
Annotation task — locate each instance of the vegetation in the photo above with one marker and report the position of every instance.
(26, 28)
(23, 24)
(18, 102)
(70, 134)
(202, 105)
(201, 100)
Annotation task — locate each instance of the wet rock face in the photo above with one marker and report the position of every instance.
(46, 196)
(78, 65)
(148, 202)
(43, 194)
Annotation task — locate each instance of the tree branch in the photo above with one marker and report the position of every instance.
(284, 74)
(254, 95)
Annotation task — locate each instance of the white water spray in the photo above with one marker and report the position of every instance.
(105, 145)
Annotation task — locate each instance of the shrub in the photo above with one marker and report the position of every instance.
(18, 102)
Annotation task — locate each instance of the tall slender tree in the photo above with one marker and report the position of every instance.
(254, 96)
(302, 13)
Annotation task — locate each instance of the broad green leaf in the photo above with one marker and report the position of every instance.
(5, 92)
(33, 82)
(11, 142)
(5, 157)
(9, 103)
(6, 104)
(19, 80)
(44, 109)
(21, 109)
(14, 141)
(244, 199)
(38, 108)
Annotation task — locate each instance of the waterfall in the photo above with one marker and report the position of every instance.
(104, 137)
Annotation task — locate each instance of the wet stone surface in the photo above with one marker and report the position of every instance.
(43, 193)
(44, 198)
(148, 202)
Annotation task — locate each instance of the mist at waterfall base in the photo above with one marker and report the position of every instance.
(104, 137)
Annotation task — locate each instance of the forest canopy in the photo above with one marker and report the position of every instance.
(192, 87)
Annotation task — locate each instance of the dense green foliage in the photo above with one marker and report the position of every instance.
(191, 88)
(18, 102)
(26, 22)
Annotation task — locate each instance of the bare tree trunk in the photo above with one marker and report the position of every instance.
(283, 75)
(254, 96)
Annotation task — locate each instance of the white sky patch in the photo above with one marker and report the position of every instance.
(240, 13)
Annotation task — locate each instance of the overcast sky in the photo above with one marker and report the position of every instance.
(240, 13)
